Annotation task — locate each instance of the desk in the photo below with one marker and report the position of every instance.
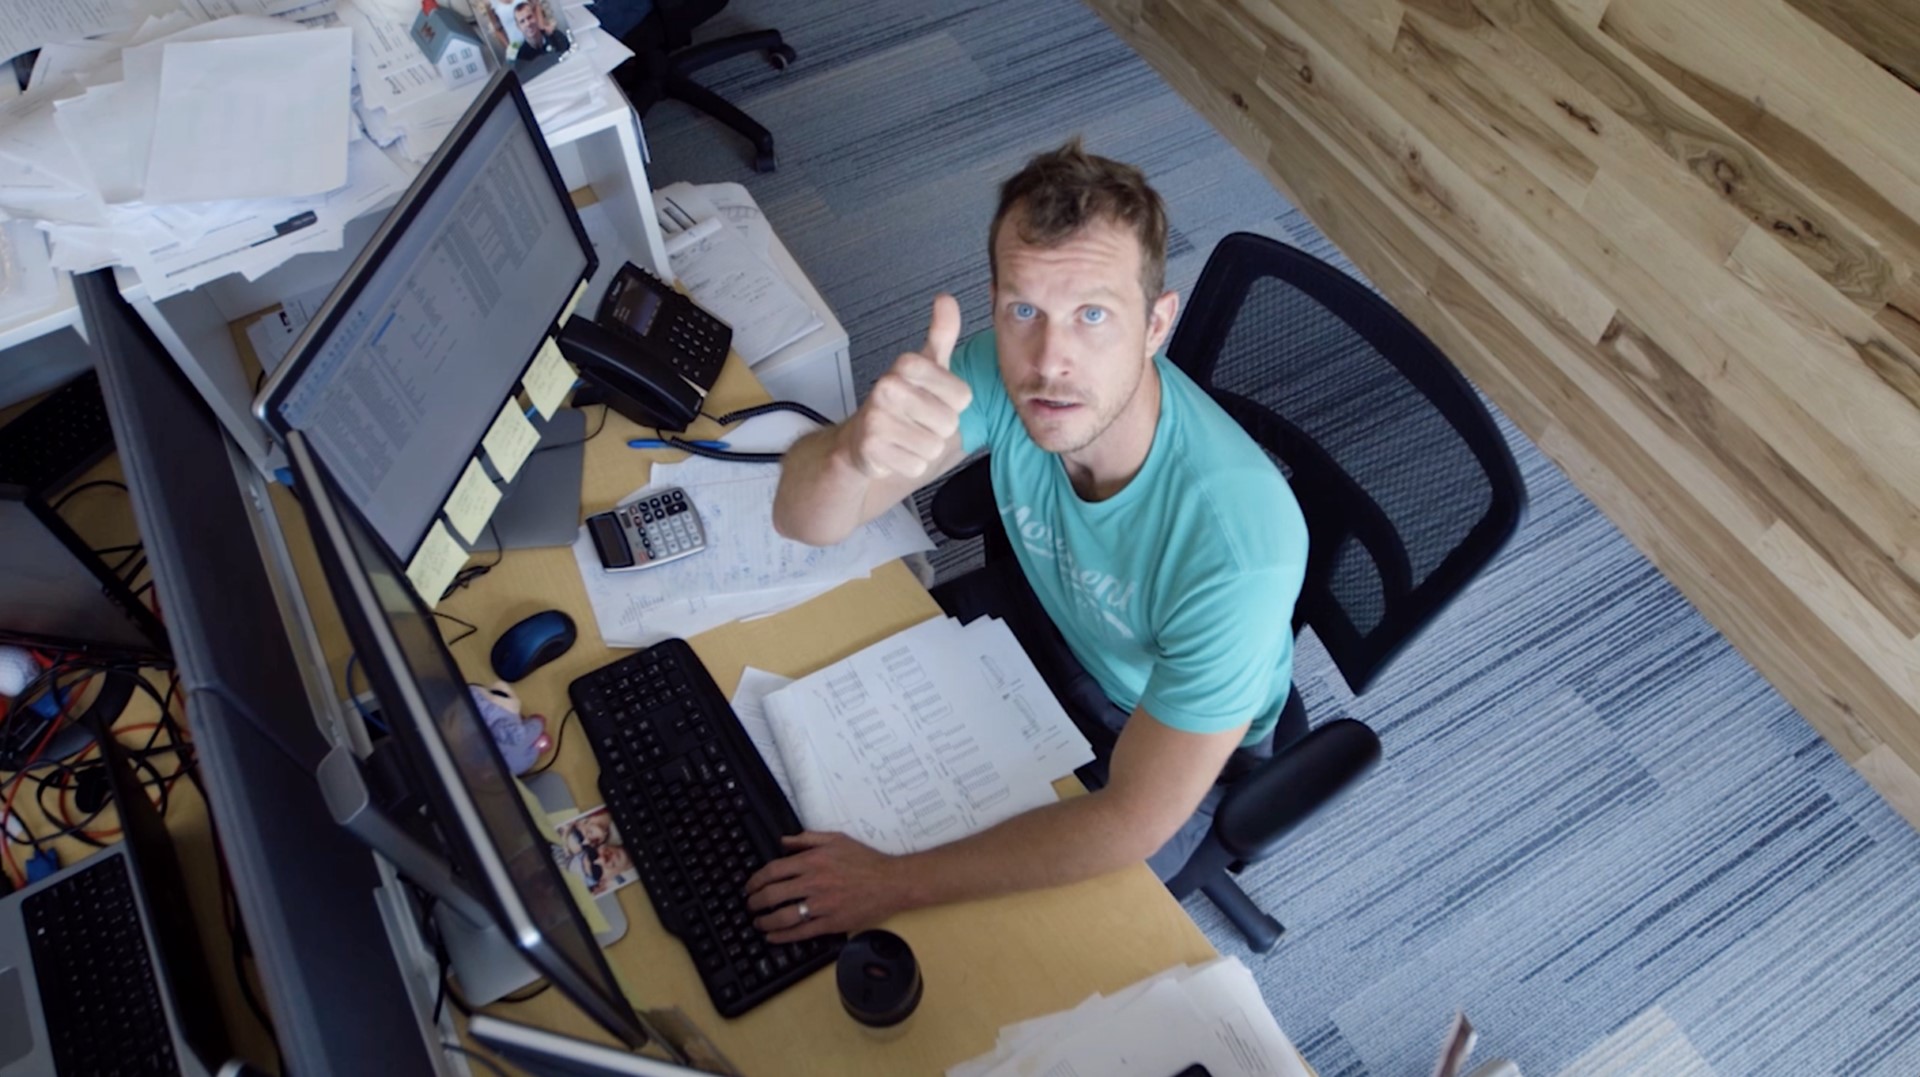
(986, 963)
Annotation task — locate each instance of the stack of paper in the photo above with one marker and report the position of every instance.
(189, 146)
(937, 732)
(728, 270)
(1208, 1015)
(747, 569)
(193, 139)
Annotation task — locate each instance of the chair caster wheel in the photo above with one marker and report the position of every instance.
(782, 56)
(765, 162)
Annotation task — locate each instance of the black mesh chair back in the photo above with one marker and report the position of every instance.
(1407, 486)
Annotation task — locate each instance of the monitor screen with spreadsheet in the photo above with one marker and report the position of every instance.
(417, 351)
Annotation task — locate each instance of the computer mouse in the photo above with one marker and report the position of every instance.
(532, 643)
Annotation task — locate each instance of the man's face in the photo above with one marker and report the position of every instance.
(529, 23)
(1074, 332)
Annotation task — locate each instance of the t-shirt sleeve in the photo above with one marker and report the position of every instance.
(977, 362)
(1225, 651)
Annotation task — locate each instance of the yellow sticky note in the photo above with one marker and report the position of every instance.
(548, 379)
(510, 440)
(473, 501)
(574, 302)
(433, 568)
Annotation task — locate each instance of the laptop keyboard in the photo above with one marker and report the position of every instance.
(698, 812)
(95, 974)
(50, 444)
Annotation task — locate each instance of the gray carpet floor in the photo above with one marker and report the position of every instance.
(1596, 829)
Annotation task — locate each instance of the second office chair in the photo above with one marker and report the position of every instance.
(665, 58)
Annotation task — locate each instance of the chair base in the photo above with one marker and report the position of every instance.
(1262, 932)
(651, 77)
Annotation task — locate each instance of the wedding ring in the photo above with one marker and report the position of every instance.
(805, 913)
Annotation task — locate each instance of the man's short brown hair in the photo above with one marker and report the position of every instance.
(1062, 191)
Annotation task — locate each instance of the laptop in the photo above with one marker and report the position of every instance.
(101, 969)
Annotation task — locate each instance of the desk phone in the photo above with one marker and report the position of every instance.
(656, 529)
(666, 326)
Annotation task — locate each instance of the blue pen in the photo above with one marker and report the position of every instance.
(656, 443)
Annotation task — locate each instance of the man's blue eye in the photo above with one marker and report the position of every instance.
(1094, 315)
(1024, 311)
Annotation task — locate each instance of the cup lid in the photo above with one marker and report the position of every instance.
(879, 979)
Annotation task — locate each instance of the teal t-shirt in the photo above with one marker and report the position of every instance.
(1176, 593)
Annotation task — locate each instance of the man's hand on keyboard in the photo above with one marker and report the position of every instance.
(844, 885)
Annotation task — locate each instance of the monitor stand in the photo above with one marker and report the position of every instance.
(542, 508)
(487, 963)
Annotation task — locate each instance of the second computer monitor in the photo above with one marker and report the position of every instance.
(420, 347)
(492, 840)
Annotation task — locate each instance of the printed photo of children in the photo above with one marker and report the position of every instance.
(590, 847)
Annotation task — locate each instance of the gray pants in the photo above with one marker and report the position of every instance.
(1001, 589)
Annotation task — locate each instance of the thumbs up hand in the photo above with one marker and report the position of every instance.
(910, 418)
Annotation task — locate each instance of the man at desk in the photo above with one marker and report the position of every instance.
(1156, 535)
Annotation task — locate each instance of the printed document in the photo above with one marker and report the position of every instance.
(1210, 1015)
(935, 733)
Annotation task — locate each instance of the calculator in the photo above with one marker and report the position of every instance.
(654, 530)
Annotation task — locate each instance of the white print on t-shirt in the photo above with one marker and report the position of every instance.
(1103, 592)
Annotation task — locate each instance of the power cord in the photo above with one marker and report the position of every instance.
(466, 576)
(559, 738)
(589, 436)
(85, 486)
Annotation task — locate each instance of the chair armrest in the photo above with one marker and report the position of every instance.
(1280, 793)
(963, 507)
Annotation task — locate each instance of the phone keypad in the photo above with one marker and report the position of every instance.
(698, 342)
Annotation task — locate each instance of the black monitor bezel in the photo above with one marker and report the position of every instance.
(111, 586)
(426, 753)
(505, 85)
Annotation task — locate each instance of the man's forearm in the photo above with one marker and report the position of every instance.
(1078, 838)
(821, 497)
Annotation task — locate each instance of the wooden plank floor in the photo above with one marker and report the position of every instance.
(1677, 241)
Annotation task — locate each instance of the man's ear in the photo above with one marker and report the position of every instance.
(1160, 318)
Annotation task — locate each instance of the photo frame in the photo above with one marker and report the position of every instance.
(528, 36)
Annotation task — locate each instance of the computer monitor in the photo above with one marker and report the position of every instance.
(493, 843)
(56, 593)
(414, 354)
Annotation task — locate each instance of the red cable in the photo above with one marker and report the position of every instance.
(13, 789)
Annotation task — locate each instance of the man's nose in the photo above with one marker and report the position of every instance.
(1055, 359)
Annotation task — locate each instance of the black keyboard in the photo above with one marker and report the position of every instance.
(95, 974)
(51, 443)
(699, 812)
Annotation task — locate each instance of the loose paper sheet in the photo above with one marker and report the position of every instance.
(749, 702)
(923, 738)
(264, 116)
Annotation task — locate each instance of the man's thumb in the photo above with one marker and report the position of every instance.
(943, 331)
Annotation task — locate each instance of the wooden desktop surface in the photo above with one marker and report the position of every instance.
(985, 963)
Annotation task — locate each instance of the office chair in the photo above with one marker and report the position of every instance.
(1406, 484)
(665, 59)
